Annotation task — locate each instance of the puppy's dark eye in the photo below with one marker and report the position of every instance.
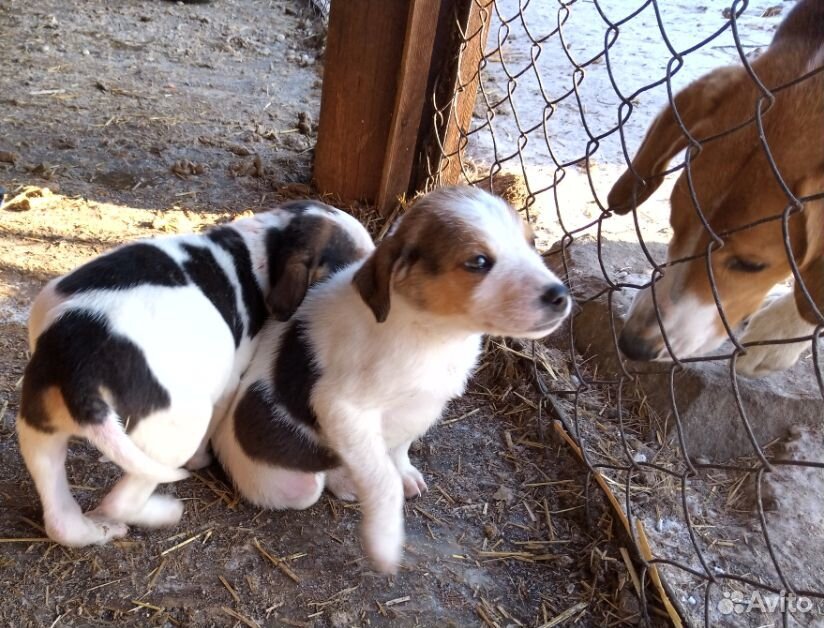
(478, 264)
(741, 265)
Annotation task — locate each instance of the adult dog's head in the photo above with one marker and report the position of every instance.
(731, 185)
(468, 259)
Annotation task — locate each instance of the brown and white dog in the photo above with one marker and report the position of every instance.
(135, 349)
(735, 186)
(336, 395)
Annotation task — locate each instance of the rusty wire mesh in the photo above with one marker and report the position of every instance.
(561, 107)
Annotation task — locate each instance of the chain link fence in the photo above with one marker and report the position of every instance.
(718, 477)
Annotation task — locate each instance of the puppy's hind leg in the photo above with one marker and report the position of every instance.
(202, 458)
(264, 484)
(166, 439)
(132, 501)
(281, 489)
(45, 457)
(341, 485)
(113, 442)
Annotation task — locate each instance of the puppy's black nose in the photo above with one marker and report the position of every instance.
(556, 297)
(636, 348)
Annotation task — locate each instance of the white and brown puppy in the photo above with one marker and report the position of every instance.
(134, 350)
(373, 355)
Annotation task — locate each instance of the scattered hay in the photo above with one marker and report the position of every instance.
(28, 198)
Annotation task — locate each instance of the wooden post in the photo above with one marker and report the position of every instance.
(382, 58)
(363, 53)
(413, 79)
(468, 45)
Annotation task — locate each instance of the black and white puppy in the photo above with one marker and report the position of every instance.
(139, 348)
(366, 365)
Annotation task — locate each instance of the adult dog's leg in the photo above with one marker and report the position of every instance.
(779, 320)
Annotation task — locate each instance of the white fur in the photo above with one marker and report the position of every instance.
(778, 320)
(691, 325)
(383, 385)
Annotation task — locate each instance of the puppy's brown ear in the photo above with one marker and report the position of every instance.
(695, 105)
(289, 289)
(374, 279)
(811, 264)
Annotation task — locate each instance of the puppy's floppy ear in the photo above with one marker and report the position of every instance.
(294, 256)
(288, 291)
(811, 262)
(373, 280)
(695, 105)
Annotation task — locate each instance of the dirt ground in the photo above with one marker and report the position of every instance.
(146, 117)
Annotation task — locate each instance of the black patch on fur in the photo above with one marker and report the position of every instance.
(283, 244)
(340, 251)
(300, 206)
(232, 242)
(79, 354)
(413, 256)
(264, 431)
(299, 237)
(206, 273)
(127, 267)
(294, 374)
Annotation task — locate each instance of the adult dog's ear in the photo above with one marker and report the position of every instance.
(811, 262)
(695, 105)
(288, 291)
(373, 280)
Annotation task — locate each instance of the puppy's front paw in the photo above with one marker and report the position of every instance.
(382, 529)
(384, 546)
(413, 483)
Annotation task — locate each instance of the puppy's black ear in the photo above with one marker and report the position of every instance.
(289, 289)
(373, 280)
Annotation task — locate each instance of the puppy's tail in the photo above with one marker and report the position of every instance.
(113, 442)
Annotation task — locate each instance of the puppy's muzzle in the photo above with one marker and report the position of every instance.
(556, 298)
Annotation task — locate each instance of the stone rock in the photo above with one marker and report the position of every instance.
(504, 494)
(712, 424)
